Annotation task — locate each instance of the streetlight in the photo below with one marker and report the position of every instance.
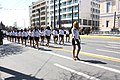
(51, 19)
(78, 14)
(92, 14)
(72, 16)
(114, 21)
(59, 16)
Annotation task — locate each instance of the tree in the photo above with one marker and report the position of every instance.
(2, 25)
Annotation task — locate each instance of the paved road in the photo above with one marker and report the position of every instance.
(100, 60)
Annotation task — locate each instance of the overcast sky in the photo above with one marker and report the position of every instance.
(15, 11)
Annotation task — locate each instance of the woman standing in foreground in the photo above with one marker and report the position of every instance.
(76, 40)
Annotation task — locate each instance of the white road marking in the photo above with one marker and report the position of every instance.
(95, 65)
(114, 43)
(108, 51)
(113, 47)
(76, 72)
(94, 41)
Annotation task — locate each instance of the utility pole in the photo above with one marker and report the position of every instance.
(59, 16)
(54, 14)
(92, 15)
(78, 14)
(39, 17)
(114, 21)
(72, 16)
(34, 22)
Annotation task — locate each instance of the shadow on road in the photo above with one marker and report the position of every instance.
(43, 49)
(83, 43)
(17, 75)
(94, 61)
(10, 49)
(71, 44)
(55, 47)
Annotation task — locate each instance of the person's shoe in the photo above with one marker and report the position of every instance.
(74, 58)
(77, 58)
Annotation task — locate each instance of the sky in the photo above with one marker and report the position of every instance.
(15, 11)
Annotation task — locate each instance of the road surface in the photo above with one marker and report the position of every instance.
(100, 60)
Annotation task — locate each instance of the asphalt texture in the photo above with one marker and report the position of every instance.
(99, 60)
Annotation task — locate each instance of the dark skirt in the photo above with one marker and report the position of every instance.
(75, 41)
(36, 38)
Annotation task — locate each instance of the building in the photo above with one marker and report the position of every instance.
(89, 11)
(38, 14)
(110, 15)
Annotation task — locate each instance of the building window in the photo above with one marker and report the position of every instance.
(42, 18)
(75, 15)
(107, 23)
(89, 22)
(108, 7)
(42, 23)
(84, 22)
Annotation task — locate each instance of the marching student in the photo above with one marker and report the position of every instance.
(55, 35)
(67, 35)
(10, 34)
(18, 36)
(48, 35)
(42, 36)
(61, 36)
(25, 35)
(31, 37)
(7, 35)
(75, 40)
(36, 37)
(15, 33)
(22, 35)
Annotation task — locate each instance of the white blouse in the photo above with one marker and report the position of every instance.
(75, 33)
(25, 34)
(36, 33)
(47, 32)
(67, 32)
(16, 34)
(19, 34)
(31, 34)
(61, 32)
(55, 33)
(42, 33)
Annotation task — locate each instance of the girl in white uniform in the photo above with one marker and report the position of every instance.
(75, 40)
(48, 35)
(55, 35)
(61, 36)
(31, 37)
(36, 37)
(25, 35)
(18, 36)
(21, 36)
(67, 35)
(15, 35)
(42, 35)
